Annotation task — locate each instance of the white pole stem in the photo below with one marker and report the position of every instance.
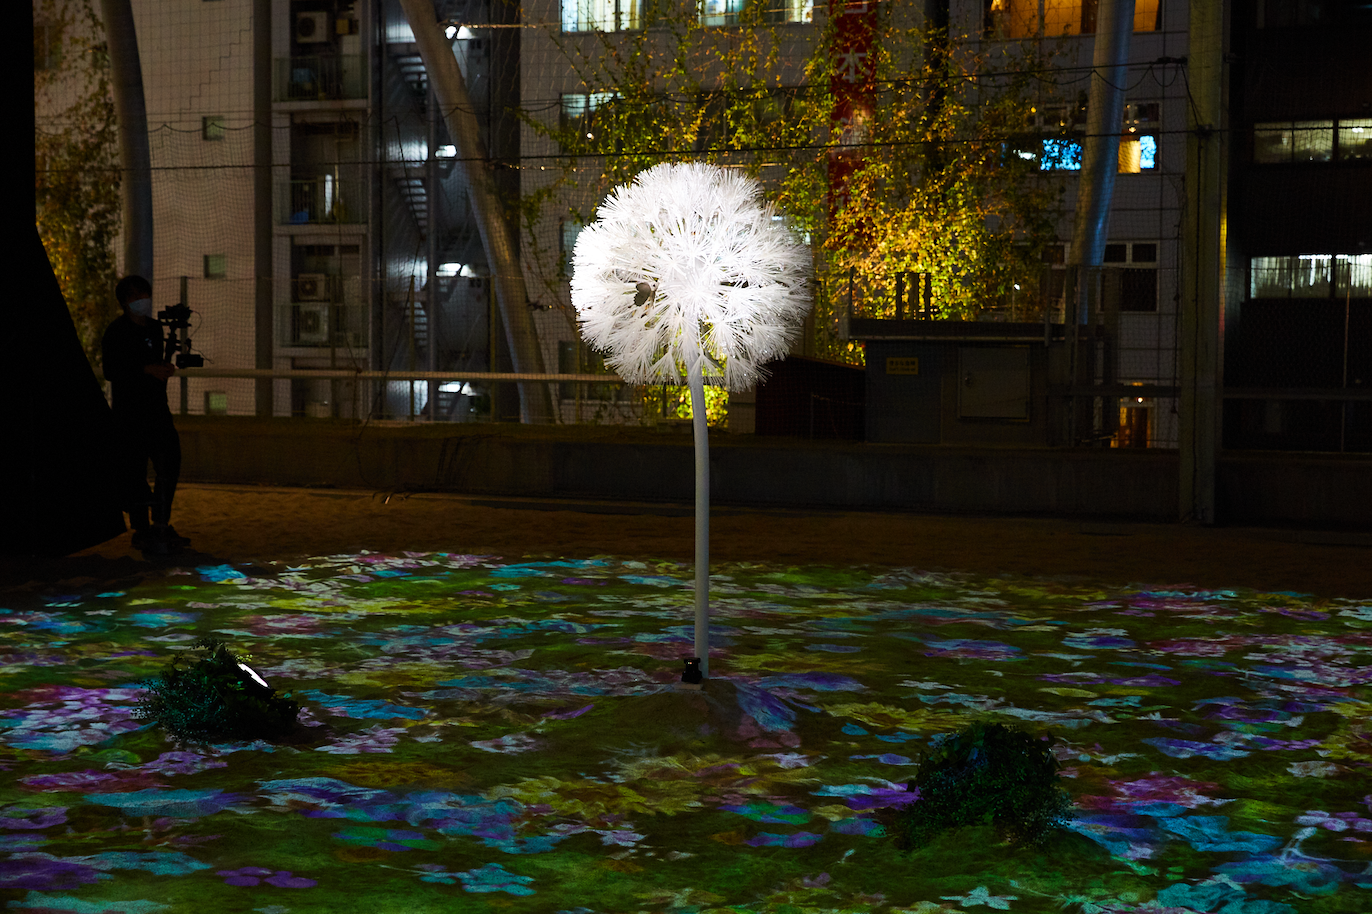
(702, 441)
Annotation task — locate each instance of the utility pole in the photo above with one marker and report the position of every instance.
(1202, 262)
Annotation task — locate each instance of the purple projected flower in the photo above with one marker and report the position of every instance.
(44, 873)
(23, 818)
(62, 718)
(373, 739)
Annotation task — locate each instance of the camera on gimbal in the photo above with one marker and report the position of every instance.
(178, 318)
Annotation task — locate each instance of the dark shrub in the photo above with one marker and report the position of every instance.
(216, 699)
(983, 774)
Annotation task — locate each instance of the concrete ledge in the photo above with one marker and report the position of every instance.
(638, 464)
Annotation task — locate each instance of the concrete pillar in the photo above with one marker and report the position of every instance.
(264, 316)
(1202, 261)
(126, 78)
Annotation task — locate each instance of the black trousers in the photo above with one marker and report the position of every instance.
(149, 440)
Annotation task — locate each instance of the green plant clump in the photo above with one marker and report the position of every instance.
(983, 774)
(215, 700)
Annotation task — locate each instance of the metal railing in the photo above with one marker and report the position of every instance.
(350, 393)
(321, 200)
(320, 77)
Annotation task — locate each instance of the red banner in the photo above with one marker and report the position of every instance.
(852, 84)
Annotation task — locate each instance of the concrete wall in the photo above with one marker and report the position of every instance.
(633, 464)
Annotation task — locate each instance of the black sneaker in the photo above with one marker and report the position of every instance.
(142, 538)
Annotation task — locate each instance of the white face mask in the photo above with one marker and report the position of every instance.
(141, 306)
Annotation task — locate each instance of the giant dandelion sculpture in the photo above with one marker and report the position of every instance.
(687, 273)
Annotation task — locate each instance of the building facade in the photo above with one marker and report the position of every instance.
(376, 263)
(1298, 315)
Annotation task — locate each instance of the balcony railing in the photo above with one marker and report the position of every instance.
(321, 200)
(318, 78)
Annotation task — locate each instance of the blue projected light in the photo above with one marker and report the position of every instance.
(1065, 155)
(1148, 152)
(1060, 155)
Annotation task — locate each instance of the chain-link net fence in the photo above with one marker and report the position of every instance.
(381, 286)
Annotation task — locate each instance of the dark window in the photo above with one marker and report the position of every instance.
(1285, 14)
(1115, 253)
(1138, 290)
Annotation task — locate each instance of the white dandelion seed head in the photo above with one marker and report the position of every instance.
(685, 268)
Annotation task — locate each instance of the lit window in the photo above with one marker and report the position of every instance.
(1136, 154)
(216, 266)
(1313, 141)
(1355, 140)
(1311, 276)
(1147, 15)
(1060, 155)
(580, 104)
(212, 127)
(731, 12)
(601, 15)
(1138, 149)
(1293, 141)
(1353, 275)
(1012, 19)
(1269, 277)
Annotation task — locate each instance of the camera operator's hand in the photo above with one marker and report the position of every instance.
(161, 371)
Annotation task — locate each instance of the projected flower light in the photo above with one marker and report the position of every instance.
(687, 272)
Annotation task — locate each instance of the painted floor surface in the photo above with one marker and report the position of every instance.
(482, 734)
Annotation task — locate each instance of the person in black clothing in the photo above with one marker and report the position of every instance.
(137, 370)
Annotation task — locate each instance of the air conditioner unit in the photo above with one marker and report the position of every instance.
(312, 287)
(312, 27)
(309, 325)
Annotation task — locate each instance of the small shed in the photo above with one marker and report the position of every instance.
(812, 398)
(960, 382)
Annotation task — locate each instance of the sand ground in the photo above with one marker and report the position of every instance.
(248, 524)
